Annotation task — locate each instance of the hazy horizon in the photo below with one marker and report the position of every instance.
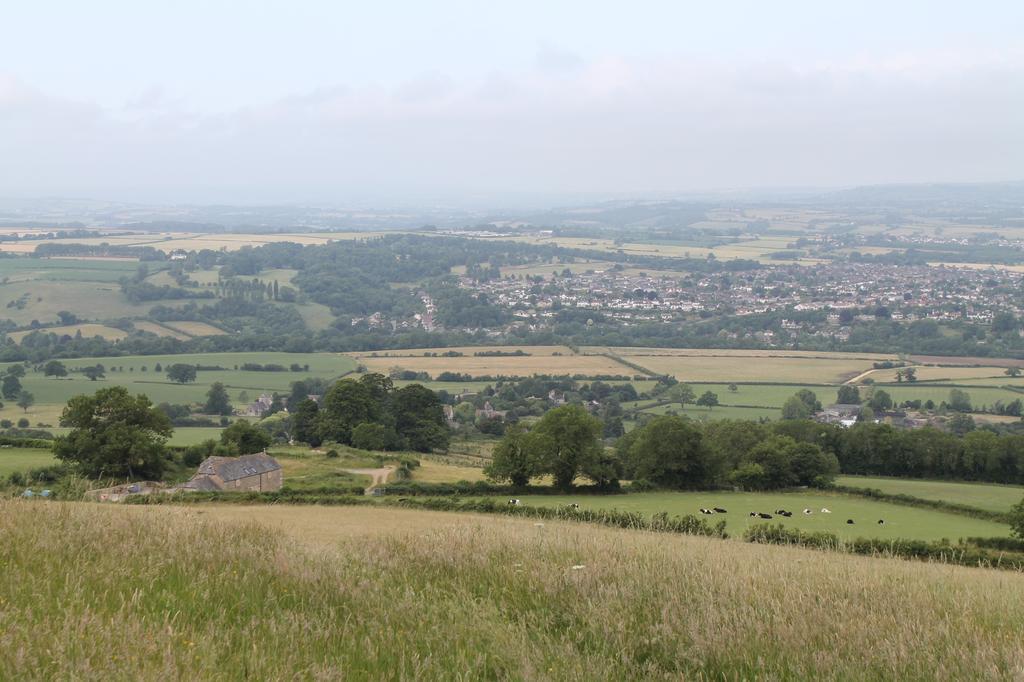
(206, 103)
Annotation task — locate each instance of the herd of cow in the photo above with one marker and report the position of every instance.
(779, 512)
(718, 510)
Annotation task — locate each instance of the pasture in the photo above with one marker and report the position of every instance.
(587, 603)
(988, 496)
(195, 328)
(900, 521)
(160, 330)
(23, 459)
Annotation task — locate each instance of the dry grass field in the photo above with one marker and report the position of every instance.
(499, 366)
(195, 328)
(160, 330)
(88, 330)
(752, 368)
(366, 593)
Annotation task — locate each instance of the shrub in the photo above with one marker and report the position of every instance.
(332, 454)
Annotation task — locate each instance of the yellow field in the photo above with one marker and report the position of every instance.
(503, 366)
(195, 328)
(160, 330)
(88, 330)
(736, 353)
(430, 471)
(752, 368)
(465, 350)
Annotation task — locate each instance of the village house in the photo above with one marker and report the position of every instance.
(249, 473)
(260, 407)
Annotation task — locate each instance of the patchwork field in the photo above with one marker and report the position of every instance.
(518, 600)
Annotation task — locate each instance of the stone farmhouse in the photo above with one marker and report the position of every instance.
(249, 473)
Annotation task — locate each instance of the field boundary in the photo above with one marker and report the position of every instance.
(913, 501)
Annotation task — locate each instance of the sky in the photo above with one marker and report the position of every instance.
(337, 102)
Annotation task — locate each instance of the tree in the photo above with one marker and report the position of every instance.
(217, 400)
(794, 408)
(808, 398)
(515, 458)
(305, 428)
(880, 401)
(567, 442)
(346, 405)
(114, 434)
(1016, 519)
(95, 372)
(244, 438)
(25, 400)
(10, 387)
(733, 388)
(419, 418)
(367, 436)
(848, 395)
(670, 452)
(684, 394)
(910, 374)
(55, 368)
(1010, 371)
(959, 400)
(181, 373)
(708, 399)
(16, 370)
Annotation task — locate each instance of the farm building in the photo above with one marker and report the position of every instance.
(249, 473)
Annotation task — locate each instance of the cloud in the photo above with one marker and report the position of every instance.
(566, 125)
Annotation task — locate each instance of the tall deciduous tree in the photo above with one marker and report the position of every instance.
(515, 458)
(10, 387)
(217, 400)
(114, 434)
(244, 438)
(55, 368)
(670, 452)
(568, 443)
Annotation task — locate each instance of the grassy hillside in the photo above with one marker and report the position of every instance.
(997, 498)
(272, 593)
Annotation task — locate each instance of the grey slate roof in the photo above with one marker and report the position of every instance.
(234, 468)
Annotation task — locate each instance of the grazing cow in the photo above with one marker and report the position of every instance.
(718, 510)
(753, 514)
(881, 522)
(514, 502)
(849, 522)
(826, 511)
(765, 516)
(787, 514)
(706, 511)
(575, 506)
(808, 511)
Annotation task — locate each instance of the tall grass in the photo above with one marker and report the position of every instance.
(91, 592)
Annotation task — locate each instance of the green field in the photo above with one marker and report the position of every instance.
(23, 459)
(720, 412)
(51, 394)
(996, 498)
(900, 521)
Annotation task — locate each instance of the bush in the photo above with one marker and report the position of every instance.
(332, 454)
(24, 423)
